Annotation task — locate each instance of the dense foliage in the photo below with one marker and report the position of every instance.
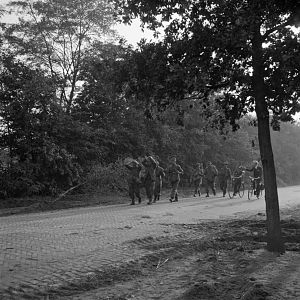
(73, 118)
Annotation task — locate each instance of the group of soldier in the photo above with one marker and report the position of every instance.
(224, 174)
(146, 172)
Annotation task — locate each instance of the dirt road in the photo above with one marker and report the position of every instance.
(45, 250)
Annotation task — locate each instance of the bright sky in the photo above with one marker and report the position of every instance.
(133, 33)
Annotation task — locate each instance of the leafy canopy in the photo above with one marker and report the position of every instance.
(210, 43)
(57, 34)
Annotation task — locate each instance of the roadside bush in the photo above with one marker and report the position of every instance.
(47, 170)
(107, 178)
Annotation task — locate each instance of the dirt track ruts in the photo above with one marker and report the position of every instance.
(44, 250)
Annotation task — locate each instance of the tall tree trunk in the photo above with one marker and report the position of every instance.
(274, 238)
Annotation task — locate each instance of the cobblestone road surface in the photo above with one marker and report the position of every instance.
(44, 250)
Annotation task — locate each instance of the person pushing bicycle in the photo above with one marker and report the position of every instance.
(257, 176)
(237, 179)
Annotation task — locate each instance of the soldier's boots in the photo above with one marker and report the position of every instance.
(199, 194)
(132, 202)
(156, 198)
(176, 198)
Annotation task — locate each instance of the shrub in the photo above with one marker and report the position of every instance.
(107, 178)
(47, 170)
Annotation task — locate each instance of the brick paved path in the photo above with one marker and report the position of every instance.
(44, 250)
(47, 249)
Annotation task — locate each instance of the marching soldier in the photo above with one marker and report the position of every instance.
(150, 165)
(224, 176)
(133, 179)
(238, 177)
(197, 179)
(174, 171)
(210, 174)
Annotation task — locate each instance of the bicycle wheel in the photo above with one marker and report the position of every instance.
(257, 194)
(230, 189)
(250, 193)
(261, 190)
(242, 190)
(260, 193)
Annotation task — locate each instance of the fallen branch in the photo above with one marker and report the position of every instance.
(117, 187)
(65, 193)
(160, 264)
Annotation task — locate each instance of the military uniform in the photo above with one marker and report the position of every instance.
(159, 175)
(174, 170)
(238, 177)
(149, 177)
(133, 180)
(257, 175)
(210, 174)
(224, 176)
(197, 180)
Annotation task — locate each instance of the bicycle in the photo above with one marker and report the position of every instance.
(231, 184)
(254, 186)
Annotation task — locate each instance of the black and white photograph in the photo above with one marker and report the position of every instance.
(150, 149)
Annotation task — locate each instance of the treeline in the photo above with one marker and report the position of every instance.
(73, 107)
(46, 150)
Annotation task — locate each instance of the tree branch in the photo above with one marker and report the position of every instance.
(53, 73)
(282, 25)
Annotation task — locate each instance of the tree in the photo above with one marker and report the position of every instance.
(116, 120)
(247, 49)
(35, 132)
(56, 35)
